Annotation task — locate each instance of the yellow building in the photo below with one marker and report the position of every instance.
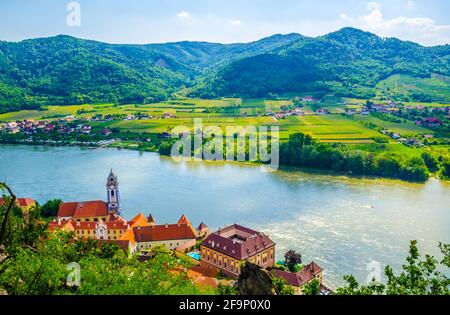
(228, 248)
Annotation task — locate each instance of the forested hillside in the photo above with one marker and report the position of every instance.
(65, 70)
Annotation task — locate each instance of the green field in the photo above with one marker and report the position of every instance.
(405, 128)
(334, 128)
(437, 86)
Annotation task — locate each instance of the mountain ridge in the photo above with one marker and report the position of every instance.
(68, 70)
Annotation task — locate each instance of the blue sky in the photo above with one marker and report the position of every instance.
(150, 21)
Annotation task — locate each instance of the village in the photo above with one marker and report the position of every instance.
(216, 256)
(98, 130)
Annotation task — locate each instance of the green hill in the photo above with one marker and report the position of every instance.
(66, 70)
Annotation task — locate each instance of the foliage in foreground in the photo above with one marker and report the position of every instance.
(419, 277)
(33, 262)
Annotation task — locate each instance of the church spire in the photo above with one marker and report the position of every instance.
(112, 189)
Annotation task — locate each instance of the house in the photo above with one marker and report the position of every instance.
(202, 230)
(432, 122)
(170, 236)
(86, 211)
(61, 225)
(322, 111)
(167, 116)
(310, 99)
(23, 203)
(106, 132)
(49, 128)
(350, 111)
(227, 248)
(298, 280)
(101, 230)
(97, 210)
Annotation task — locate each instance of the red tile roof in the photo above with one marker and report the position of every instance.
(184, 220)
(202, 227)
(60, 225)
(238, 242)
(300, 278)
(85, 225)
(116, 225)
(163, 233)
(83, 209)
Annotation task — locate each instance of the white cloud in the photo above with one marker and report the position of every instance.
(235, 22)
(183, 15)
(410, 4)
(419, 29)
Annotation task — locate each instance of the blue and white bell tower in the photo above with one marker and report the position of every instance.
(113, 197)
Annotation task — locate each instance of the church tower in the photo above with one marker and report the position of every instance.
(112, 189)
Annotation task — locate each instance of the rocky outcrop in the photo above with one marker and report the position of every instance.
(255, 281)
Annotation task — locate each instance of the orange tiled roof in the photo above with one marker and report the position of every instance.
(202, 227)
(184, 220)
(116, 225)
(83, 209)
(164, 233)
(139, 220)
(85, 225)
(61, 225)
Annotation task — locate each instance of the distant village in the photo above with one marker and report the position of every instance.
(216, 257)
(80, 131)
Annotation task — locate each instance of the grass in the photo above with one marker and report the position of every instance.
(405, 128)
(228, 112)
(437, 86)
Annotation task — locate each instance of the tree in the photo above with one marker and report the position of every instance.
(226, 289)
(282, 287)
(418, 277)
(312, 287)
(50, 208)
(292, 259)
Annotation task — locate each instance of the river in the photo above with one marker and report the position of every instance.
(341, 223)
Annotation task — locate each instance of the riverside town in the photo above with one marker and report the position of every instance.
(213, 156)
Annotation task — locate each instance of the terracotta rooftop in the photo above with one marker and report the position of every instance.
(202, 227)
(163, 233)
(300, 278)
(83, 209)
(184, 220)
(60, 225)
(238, 242)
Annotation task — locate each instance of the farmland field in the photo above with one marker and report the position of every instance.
(405, 128)
(333, 128)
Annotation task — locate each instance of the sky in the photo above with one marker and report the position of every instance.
(226, 21)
